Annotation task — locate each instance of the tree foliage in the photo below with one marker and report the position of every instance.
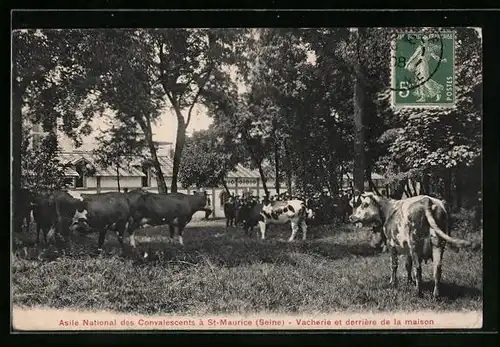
(207, 160)
(119, 148)
(288, 102)
(40, 167)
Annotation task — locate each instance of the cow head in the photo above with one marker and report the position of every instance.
(243, 211)
(80, 220)
(366, 210)
(200, 201)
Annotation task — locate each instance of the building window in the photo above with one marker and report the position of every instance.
(79, 182)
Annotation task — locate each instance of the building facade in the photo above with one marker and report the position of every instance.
(89, 178)
(86, 176)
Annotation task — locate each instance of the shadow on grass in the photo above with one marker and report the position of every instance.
(240, 252)
(452, 291)
(215, 245)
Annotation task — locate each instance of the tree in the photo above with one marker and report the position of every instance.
(128, 86)
(207, 159)
(143, 70)
(244, 125)
(119, 148)
(51, 86)
(40, 168)
(190, 60)
(441, 145)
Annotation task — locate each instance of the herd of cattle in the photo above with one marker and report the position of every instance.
(417, 227)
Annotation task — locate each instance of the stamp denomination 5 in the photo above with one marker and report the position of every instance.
(422, 69)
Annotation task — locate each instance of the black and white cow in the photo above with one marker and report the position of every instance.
(417, 227)
(294, 211)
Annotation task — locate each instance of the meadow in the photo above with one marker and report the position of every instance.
(223, 271)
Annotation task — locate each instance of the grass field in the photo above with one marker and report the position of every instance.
(226, 272)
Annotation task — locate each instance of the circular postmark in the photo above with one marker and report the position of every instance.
(419, 43)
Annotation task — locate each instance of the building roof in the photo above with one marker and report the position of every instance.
(239, 172)
(69, 172)
(166, 163)
(375, 176)
(71, 158)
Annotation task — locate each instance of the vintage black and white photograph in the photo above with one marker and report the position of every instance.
(247, 178)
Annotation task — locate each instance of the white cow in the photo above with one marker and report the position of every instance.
(280, 212)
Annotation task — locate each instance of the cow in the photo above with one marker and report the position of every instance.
(174, 210)
(343, 208)
(208, 210)
(53, 211)
(417, 227)
(280, 212)
(44, 214)
(248, 215)
(23, 206)
(276, 212)
(231, 208)
(101, 212)
(105, 211)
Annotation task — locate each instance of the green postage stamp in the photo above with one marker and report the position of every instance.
(423, 69)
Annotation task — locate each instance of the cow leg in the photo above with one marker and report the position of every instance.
(394, 267)
(179, 230)
(437, 257)
(27, 218)
(102, 236)
(417, 260)
(384, 240)
(120, 231)
(303, 226)
(409, 266)
(262, 228)
(171, 231)
(132, 238)
(38, 234)
(295, 227)
(46, 232)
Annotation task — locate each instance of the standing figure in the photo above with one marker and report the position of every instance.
(419, 65)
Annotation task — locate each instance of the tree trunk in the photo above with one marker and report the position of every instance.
(179, 147)
(458, 189)
(118, 176)
(289, 182)
(398, 190)
(16, 151)
(447, 188)
(412, 183)
(408, 189)
(425, 184)
(277, 166)
(359, 139)
(371, 184)
(160, 179)
(288, 171)
(225, 186)
(263, 178)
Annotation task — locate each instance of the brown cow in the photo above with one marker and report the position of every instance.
(417, 227)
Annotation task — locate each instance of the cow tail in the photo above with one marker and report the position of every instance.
(441, 233)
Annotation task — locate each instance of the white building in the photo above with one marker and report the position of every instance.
(138, 175)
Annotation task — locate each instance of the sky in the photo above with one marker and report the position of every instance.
(166, 127)
(164, 130)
